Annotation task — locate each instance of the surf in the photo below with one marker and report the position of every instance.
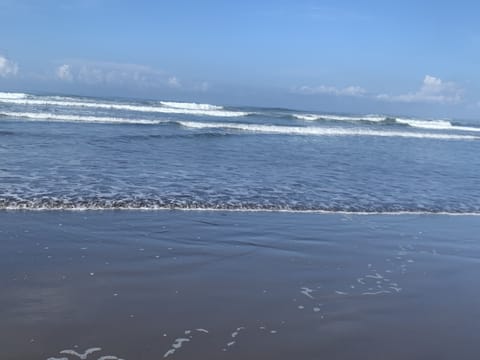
(322, 131)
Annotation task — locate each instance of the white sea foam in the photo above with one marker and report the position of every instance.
(12, 95)
(123, 106)
(191, 106)
(416, 123)
(23, 207)
(307, 292)
(323, 131)
(435, 125)
(175, 346)
(307, 117)
(314, 117)
(82, 356)
(79, 118)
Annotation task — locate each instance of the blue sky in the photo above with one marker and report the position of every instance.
(398, 57)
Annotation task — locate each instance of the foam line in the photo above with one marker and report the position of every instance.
(415, 123)
(313, 117)
(435, 125)
(72, 207)
(79, 118)
(323, 131)
(128, 107)
(12, 95)
(191, 106)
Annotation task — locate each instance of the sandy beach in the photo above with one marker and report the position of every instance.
(233, 285)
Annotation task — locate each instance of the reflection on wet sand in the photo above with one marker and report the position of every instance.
(113, 286)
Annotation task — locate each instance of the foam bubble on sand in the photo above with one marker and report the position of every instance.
(177, 344)
(233, 336)
(307, 292)
(235, 333)
(377, 292)
(376, 276)
(82, 356)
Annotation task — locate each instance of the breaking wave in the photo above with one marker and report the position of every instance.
(435, 125)
(322, 131)
(190, 106)
(79, 118)
(12, 95)
(127, 107)
(415, 123)
(315, 117)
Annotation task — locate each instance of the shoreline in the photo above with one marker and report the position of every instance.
(219, 210)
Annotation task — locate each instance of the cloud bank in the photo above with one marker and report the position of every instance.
(64, 73)
(124, 75)
(111, 74)
(8, 68)
(331, 90)
(433, 90)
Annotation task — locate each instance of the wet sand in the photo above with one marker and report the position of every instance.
(226, 285)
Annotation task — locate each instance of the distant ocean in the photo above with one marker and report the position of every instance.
(68, 152)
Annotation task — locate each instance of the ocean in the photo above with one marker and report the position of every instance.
(84, 153)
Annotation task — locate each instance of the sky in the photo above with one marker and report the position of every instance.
(349, 56)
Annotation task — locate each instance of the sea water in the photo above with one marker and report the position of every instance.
(69, 152)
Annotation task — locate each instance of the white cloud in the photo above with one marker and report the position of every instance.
(64, 73)
(7, 67)
(331, 90)
(117, 74)
(110, 74)
(121, 74)
(433, 90)
(174, 82)
(203, 86)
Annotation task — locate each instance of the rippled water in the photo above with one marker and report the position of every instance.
(88, 153)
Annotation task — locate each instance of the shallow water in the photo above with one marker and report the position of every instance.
(216, 285)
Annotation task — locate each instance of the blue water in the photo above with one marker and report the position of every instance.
(89, 153)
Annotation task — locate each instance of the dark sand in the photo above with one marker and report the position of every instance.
(213, 285)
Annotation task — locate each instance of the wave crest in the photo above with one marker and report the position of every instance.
(322, 131)
(127, 107)
(190, 106)
(79, 118)
(315, 117)
(415, 123)
(12, 95)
